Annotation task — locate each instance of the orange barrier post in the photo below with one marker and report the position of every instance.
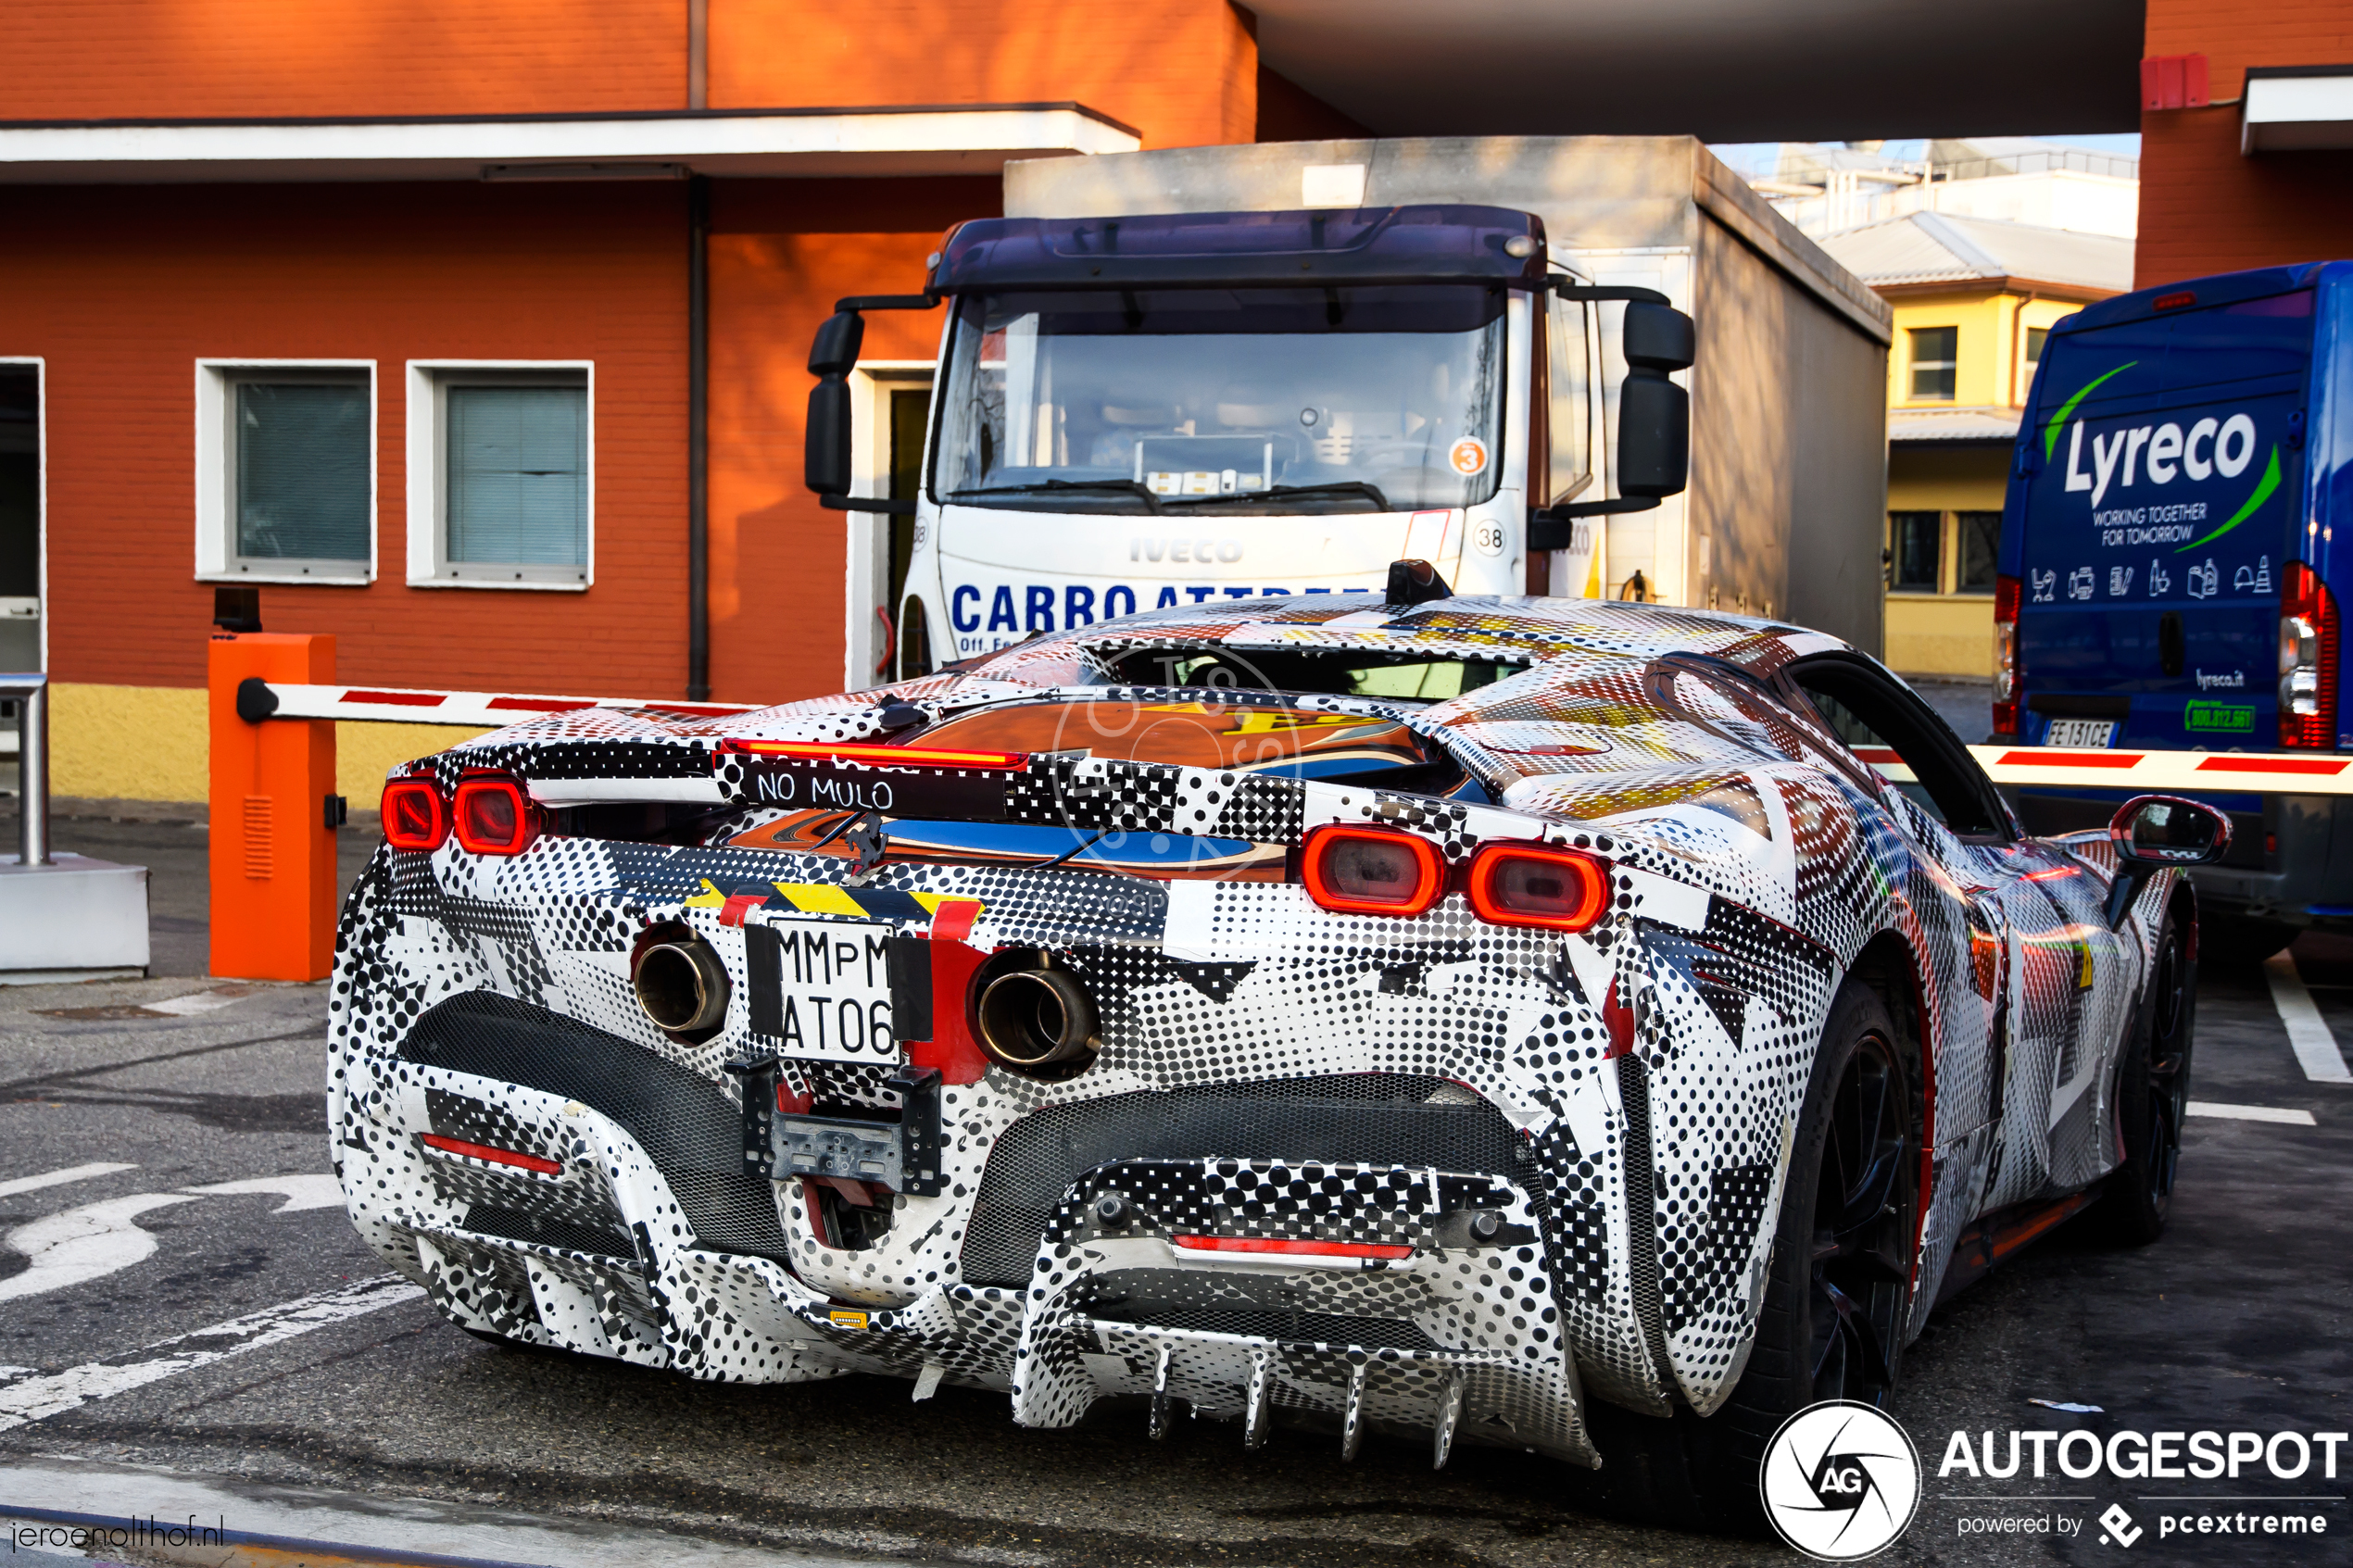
(273, 853)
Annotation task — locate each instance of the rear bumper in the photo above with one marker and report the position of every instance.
(1463, 1337)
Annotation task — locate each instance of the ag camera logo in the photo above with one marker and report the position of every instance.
(1841, 1481)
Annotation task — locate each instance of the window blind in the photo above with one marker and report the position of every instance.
(302, 472)
(518, 465)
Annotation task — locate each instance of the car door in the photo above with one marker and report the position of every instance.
(2038, 1079)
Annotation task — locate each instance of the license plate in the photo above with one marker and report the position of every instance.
(821, 989)
(2093, 732)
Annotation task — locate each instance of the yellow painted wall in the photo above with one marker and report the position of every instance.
(1946, 633)
(1949, 632)
(1992, 372)
(150, 743)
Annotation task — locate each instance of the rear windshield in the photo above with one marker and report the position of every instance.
(1325, 671)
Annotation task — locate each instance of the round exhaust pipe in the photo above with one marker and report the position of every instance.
(1040, 1022)
(682, 985)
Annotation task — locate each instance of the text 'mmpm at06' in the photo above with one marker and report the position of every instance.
(1374, 872)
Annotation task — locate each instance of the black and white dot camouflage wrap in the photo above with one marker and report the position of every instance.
(1621, 1101)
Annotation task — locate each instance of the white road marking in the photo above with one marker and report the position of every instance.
(199, 1001)
(84, 1244)
(59, 1178)
(38, 1398)
(2307, 1033)
(2253, 1113)
(301, 1192)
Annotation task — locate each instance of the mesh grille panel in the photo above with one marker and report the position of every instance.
(1369, 1118)
(692, 1130)
(1315, 1328)
(515, 1224)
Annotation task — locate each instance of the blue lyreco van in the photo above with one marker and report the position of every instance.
(2167, 575)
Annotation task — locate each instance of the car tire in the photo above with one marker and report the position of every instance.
(1857, 1147)
(2236, 942)
(2152, 1093)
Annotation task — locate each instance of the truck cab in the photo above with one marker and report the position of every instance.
(1152, 411)
(2167, 575)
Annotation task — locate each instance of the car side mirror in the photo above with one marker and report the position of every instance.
(2152, 831)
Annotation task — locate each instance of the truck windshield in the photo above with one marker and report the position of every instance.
(1238, 401)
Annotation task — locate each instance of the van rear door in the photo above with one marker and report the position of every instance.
(2153, 513)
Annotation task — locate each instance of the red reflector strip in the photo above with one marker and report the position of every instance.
(495, 1156)
(1283, 1247)
(2053, 874)
(1879, 756)
(2271, 765)
(399, 699)
(536, 705)
(882, 756)
(2064, 759)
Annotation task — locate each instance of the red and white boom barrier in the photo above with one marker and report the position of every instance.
(401, 705)
(2151, 772)
(2141, 771)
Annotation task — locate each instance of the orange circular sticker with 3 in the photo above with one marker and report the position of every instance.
(1469, 456)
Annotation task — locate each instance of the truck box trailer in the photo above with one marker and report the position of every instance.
(1273, 408)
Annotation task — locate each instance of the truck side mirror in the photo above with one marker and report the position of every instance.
(831, 358)
(1654, 414)
(825, 465)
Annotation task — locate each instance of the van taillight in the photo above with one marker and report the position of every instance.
(2307, 660)
(2007, 673)
(494, 817)
(414, 817)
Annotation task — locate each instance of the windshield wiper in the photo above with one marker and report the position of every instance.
(1366, 488)
(1099, 487)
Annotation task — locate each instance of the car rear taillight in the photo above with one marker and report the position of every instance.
(414, 815)
(2307, 660)
(2007, 673)
(1527, 884)
(1368, 871)
(494, 817)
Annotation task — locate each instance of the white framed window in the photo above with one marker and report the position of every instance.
(287, 470)
(502, 474)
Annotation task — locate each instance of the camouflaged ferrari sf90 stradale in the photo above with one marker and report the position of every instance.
(1495, 1019)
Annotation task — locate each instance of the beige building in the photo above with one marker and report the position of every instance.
(1974, 297)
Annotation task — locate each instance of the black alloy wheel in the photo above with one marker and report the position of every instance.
(1865, 1204)
(2153, 1093)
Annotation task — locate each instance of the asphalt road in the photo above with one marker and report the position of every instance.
(2237, 1320)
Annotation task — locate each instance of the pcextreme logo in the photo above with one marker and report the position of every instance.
(1841, 1481)
(2139, 457)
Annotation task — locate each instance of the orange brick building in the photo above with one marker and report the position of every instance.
(419, 237)
(2261, 173)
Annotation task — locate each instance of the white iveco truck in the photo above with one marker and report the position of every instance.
(1176, 377)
